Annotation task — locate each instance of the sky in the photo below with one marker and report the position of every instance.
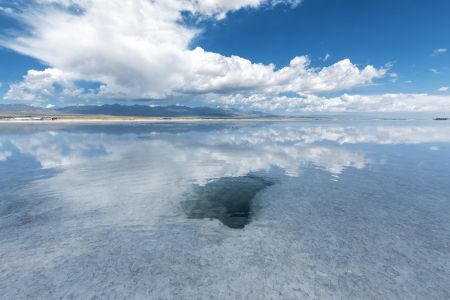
(283, 56)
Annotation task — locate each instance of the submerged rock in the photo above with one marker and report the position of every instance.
(227, 199)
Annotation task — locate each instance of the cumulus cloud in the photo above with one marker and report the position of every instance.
(443, 89)
(39, 86)
(140, 49)
(214, 73)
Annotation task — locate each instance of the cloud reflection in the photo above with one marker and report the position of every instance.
(109, 211)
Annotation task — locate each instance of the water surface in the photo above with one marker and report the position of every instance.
(356, 210)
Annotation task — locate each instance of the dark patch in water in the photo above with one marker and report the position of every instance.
(227, 199)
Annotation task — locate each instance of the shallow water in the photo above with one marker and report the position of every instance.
(356, 210)
(228, 199)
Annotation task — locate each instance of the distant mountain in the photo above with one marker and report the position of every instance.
(22, 109)
(128, 110)
(147, 111)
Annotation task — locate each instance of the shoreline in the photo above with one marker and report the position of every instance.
(96, 119)
(113, 119)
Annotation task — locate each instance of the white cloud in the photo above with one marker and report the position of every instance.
(394, 77)
(215, 73)
(141, 49)
(345, 103)
(326, 57)
(38, 86)
(6, 10)
(443, 89)
(440, 51)
(435, 71)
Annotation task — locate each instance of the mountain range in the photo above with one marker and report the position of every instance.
(127, 110)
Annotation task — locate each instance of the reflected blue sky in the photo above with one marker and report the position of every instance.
(354, 210)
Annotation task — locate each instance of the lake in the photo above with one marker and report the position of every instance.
(244, 210)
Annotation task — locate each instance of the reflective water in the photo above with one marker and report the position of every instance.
(351, 210)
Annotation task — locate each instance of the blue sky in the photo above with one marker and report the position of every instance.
(352, 53)
(402, 32)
